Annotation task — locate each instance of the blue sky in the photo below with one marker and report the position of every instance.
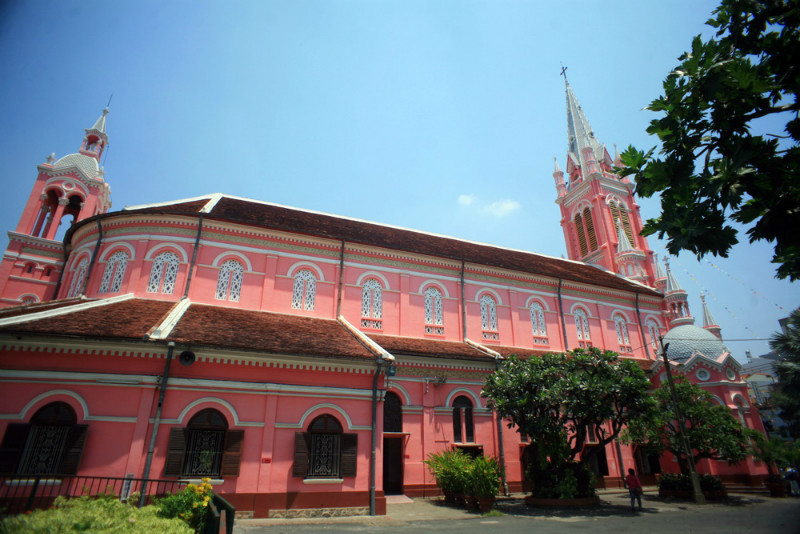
(442, 116)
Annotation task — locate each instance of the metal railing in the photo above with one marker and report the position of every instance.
(221, 515)
(19, 494)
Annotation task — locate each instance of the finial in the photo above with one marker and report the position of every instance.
(564, 73)
(105, 111)
(51, 158)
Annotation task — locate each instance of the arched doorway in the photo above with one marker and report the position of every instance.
(393, 444)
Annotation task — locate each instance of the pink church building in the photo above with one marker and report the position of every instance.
(306, 362)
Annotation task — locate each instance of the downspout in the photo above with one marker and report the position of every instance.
(93, 258)
(374, 436)
(561, 313)
(156, 422)
(641, 327)
(463, 306)
(500, 443)
(341, 281)
(194, 255)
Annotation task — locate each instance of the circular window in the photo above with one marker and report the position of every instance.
(731, 374)
(702, 375)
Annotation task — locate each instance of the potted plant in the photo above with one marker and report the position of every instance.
(483, 481)
(449, 468)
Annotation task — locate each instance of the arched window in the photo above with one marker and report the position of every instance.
(229, 281)
(114, 273)
(581, 234)
(433, 311)
(205, 447)
(622, 333)
(305, 288)
(51, 444)
(392, 413)
(489, 318)
(654, 331)
(619, 214)
(371, 304)
(78, 278)
(582, 327)
(324, 451)
(164, 273)
(537, 324)
(463, 427)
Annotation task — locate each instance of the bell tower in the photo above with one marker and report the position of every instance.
(65, 191)
(599, 214)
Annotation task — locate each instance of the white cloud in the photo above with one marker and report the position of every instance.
(466, 200)
(501, 208)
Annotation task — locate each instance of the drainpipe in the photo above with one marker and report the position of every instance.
(463, 306)
(194, 256)
(341, 280)
(561, 313)
(500, 443)
(93, 258)
(374, 436)
(156, 422)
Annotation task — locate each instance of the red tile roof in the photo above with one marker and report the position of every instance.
(276, 217)
(129, 319)
(434, 348)
(266, 332)
(15, 311)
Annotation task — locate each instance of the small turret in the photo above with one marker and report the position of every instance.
(676, 301)
(708, 321)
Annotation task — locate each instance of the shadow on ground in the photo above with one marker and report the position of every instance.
(610, 505)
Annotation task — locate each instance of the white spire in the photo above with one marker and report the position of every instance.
(558, 169)
(579, 132)
(100, 123)
(659, 271)
(672, 283)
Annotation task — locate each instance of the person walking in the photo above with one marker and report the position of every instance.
(634, 488)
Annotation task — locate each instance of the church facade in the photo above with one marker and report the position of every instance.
(307, 361)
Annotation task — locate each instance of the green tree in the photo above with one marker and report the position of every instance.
(710, 428)
(560, 400)
(713, 168)
(786, 394)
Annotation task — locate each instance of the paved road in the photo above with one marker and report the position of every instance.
(739, 514)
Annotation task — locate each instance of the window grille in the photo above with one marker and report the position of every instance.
(622, 333)
(652, 327)
(433, 311)
(305, 287)
(44, 448)
(203, 452)
(164, 273)
(582, 327)
(371, 304)
(537, 324)
(229, 281)
(78, 278)
(325, 453)
(489, 318)
(114, 273)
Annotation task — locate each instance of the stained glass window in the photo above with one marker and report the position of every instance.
(622, 333)
(371, 304)
(433, 311)
(582, 326)
(488, 317)
(537, 323)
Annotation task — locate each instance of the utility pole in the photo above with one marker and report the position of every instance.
(699, 498)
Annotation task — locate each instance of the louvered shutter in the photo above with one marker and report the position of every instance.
(301, 448)
(232, 453)
(11, 449)
(73, 450)
(176, 450)
(349, 455)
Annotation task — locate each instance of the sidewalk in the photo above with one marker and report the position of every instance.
(401, 510)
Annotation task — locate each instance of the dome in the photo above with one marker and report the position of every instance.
(687, 340)
(87, 165)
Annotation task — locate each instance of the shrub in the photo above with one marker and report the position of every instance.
(561, 480)
(190, 504)
(483, 477)
(450, 469)
(90, 514)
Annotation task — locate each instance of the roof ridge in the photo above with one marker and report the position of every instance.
(84, 305)
(164, 328)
